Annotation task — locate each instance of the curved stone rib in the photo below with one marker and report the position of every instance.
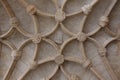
(111, 33)
(108, 11)
(52, 31)
(96, 73)
(23, 44)
(24, 74)
(54, 72)
(36, 51)
(107, 64)
(34, 66)
(14, 23)
(93, 32)
(45, 60)
(63, 5)
(86, 9)
(55, 3)
(74, 13)
(10, 70)
(65, 43)
(16, 55)
(82, 49)
(112, 39)
(23, 32)
(13, 63)
(85, 65)
(9, 44)
(109, 68)
(8, 33)
(105, 21)
(100, 48)
(105, 60)
(36, 23)
(82, 23)
(66, 30)
(7, 8)
(45, 14)
(53, 44)
(97, 44)
(11, 14)
(64, 72)
(33, 9)
(73, 59)
(58, 37)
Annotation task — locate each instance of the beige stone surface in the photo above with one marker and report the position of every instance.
(59, 39)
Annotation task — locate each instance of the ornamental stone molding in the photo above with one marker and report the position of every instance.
(59, 40)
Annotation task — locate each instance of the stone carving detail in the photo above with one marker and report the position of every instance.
(33, 65)
(36, 38)
(60, 15)
(14, 22)
(60, 59)
(31, 9)
(81, 37)
(16, 54)
(74, 77)
(103, 21)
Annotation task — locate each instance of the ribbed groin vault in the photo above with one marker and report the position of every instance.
(59, 39)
